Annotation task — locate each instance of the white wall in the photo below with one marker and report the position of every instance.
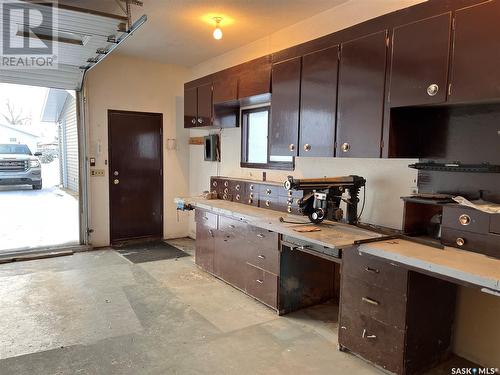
(477, 326)
(125, 83)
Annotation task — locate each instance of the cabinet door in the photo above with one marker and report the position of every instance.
(318, 102)
(284, 127)
(420, 54)
(476, 53)
(225, 90)
(255, 82)
(190, 107)
(361, 96)
(205, 247)
(205, 105)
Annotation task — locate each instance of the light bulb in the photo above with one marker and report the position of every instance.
(217, 33)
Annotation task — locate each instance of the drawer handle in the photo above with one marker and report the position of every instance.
(365, 336)
(432, 89)
(237, 187)
(205, 218)
(260, 235)
(464, 219)
(211, 232)
(226, 190)
(237, 197)
(369, 269)
(268, 203)
(214, 184)
(261, 256)
(460, 241)
(226, 184)
(232, 226)
(250, 201)
(268, 191)
(260, 281)
(370, 301)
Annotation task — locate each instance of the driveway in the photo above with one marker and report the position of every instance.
(38, 218)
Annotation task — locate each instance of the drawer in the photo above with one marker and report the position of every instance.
(488, 244)
(470, 220)
(206, 218)
(495, 223)
(373, 271)
(374, 341)
(231, 228)
(262, 238)
(264, 257)
(262, 285)
(377, 303)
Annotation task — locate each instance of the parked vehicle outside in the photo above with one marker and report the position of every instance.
(18, 166)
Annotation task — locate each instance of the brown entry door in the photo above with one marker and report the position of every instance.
(135, 175)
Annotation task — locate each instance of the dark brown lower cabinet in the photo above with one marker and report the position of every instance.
(397, 319)
(251, 259)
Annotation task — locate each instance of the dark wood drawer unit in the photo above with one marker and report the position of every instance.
(375, 272)
(265, 257)
(468, 219)
(488, 244)
(420, 77)
(262, 285)
(397, 319)
(376, 342)
(380, 304)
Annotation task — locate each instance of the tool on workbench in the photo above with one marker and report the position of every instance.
(322, 197)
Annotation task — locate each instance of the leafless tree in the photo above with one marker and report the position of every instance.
(15, 116)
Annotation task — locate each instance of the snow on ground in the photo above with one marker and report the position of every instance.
(37, 218)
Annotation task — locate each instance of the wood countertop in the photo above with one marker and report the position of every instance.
(332, 234)
(457, 265)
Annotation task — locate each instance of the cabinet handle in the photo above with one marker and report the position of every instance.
(251, 187)
(193, 121)
(205, 218)
(260, 281)
(291, 147)
(260, 235)
(200, 120)
(369, 269)
(211, 232)
(237, 197)
(268, 203)
(365, 336)
(268, 191)
(261, 256)
(460, 241)
(370, 301)
(251, 195)
(232, 226)
(345, 147)
(307, 147)
(226, 184)
(224, 197)
(237, 187)
(432, 89)
(250, 201)
(289, 209)
(464, 219)
(214, 184)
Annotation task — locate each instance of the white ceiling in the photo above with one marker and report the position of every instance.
(176, 32)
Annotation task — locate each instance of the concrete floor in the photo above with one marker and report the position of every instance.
(97, 313)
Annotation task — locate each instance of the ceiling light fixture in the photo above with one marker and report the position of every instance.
(217, 32)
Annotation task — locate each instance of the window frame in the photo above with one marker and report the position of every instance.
(245, 111)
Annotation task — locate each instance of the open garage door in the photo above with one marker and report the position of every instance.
(51, 45)
(79, 38)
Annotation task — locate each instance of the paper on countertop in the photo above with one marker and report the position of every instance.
(481, 205)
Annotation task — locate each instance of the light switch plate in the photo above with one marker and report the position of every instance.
(97, 172)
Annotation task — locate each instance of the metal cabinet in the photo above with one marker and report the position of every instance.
(420, 59)
(476, 56)
(318, 103)
(361, 96)
(284, 127)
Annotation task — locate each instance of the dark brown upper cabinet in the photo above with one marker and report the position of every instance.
(318, 103)
(475, 72)
(225, 90)
(255, 82)
(361, 96)
(205, 105)
(284, 126)
(190, 107)
(419, 69)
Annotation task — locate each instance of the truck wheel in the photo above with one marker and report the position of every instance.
(37, 187)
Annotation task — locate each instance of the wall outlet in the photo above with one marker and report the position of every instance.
(97, 172)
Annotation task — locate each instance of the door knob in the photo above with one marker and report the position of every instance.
(116, 181)
(291, 147)
(432, 89)
(307, 147)
(345, 147)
